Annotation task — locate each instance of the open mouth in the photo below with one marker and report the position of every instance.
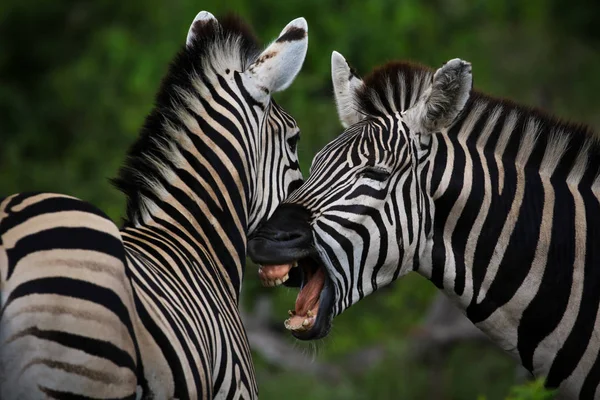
(310, 318)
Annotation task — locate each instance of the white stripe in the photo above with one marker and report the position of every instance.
(505, 134)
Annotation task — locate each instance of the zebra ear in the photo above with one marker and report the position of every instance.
(202, 18)
(277, 66)
(345, 85)
(443, 101)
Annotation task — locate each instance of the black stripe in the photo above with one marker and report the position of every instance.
(588, 390)
(408, 188)
(250, 101)
(166, 347)
(64, 238)
(76, 289)
(169, 283)
(292, 34)
(549, 305)
(471, 208)
(228, 124)
(499, 205)
(246, 119)
(95, 347)
(519, 253)
(439, 163)
(443, 208)
(575, 345)
(347, 246)
(19, 198)
(47, 206)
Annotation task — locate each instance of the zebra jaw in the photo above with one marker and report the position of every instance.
(304, 315)
(275, 275)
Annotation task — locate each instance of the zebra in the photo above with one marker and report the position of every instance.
(495, 203)
(151, 310)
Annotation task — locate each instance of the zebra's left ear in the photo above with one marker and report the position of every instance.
(202, 18)
(277, 66)
(345, 85)
(443, 101)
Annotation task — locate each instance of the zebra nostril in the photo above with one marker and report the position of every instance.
(292, 236)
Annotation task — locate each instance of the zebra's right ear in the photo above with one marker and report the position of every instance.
(345, 85)
(277, 66)
(444, 100)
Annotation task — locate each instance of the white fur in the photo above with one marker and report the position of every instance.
(345, 85)
(277, 66)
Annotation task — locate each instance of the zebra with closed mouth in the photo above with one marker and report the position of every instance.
(151, 310)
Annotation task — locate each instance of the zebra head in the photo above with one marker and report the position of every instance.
(362, 217)
(277, 169)
(215, 105)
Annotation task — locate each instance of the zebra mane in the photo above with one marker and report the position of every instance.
(551, 140)
(229, 44)
(392, 88)
(397, 86)
(542, 118)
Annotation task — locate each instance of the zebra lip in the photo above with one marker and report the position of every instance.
(275, 275)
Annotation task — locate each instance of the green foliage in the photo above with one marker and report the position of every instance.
(78, 77)
(531, 391)
(534, 390)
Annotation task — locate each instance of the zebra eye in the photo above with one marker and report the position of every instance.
(375, 173)
(293, 142)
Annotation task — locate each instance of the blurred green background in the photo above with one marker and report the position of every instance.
(78, 77)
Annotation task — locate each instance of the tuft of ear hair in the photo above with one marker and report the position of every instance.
(203, 17)
(443, 101)
(277, 66)
(345, 85)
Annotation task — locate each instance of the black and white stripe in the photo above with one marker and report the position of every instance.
(497, 204)
(151, 310)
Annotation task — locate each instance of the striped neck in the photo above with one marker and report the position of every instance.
(514, 194)
(192, 173)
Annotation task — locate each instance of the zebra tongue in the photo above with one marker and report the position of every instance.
(307, 304)
(308, 298)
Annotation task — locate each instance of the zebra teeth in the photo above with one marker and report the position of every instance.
(274, 275)
(268, 283)
(294, 264)
(298, 323)
(309, 314)
(274, 282)
(291, 313)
